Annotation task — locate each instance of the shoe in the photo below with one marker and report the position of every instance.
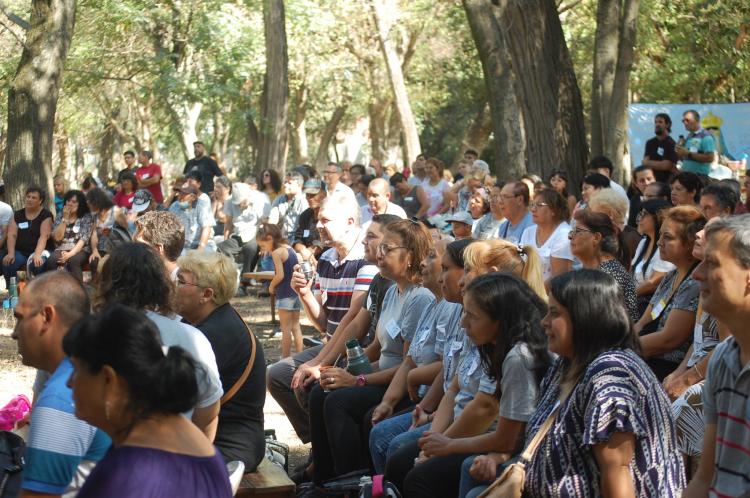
(311, 342)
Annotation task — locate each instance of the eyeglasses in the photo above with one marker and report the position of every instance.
(330, 173)
(385, 249)
(182, 283)
(578, 231)
(534, 205)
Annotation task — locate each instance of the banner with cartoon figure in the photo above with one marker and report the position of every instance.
(728, 123)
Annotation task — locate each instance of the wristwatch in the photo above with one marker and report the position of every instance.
(361, 380)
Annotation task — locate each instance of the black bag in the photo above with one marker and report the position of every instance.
(346, 485)
(116, 237)
(12, 451)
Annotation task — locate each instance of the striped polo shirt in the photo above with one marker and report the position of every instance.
(337, 280)
(726, 403)
(61, 449)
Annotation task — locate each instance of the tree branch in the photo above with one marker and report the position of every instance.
(21, 23)
(564, 8)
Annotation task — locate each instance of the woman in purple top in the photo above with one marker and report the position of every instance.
(128, 385)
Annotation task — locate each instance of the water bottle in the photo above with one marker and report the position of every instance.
(358, 362)
(307, 269)
(13, 290)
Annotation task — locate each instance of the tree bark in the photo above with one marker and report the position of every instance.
(509, 147)
(299, 131)
(382, 11)
(274, 127)
(477, 135)
(329, 132)
(615, 39)
(32, 97)
(546, 88)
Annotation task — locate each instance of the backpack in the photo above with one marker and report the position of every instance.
(116, 237)
(12, 450)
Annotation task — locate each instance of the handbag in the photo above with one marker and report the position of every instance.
(241, 381)
(511, 481)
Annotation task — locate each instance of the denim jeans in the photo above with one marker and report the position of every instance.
(11, 269)
(470, 487)
(391, 434)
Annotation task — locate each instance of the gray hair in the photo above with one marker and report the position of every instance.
(738, 228)
(297, 177)
(344, 205)
(338, 166)
(224, 181)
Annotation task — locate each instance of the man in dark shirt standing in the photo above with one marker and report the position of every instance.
(660, 154)
(206, 166)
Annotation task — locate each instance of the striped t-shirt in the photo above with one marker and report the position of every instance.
(726, 403)
(61, 449)
(337, 280)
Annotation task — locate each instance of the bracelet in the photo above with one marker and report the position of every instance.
(700, 375)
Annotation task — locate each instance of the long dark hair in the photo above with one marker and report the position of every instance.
(597, 313)
(564, 176)
(275, 180)
(455, 251)
(129, 342)
(134, 275)
(612, 242)
(99, 199)
(652, 207)
(83, 207)
(507, 299)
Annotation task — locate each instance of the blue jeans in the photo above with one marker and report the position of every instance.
(470, 487)
(391, 434)
(12, 269)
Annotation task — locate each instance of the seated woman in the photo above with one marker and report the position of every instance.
(686, 189)
(613, 433)
(549, 234)
(614, 205)
(647, 266)
(386, 438)
(558, 180)
(487, 223)
(668, 322)
(107, 218)
(28, 242)
(502, 317)
(124, 197)
(71, 234)
(206, 281)
(133, 388)
(336, 416)
(421, 365)
(591, 184)
(597, 243)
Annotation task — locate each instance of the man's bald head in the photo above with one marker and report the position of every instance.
(378, 195)
(62, 291)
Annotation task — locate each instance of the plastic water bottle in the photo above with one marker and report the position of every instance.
(358, 362)
(13, 290)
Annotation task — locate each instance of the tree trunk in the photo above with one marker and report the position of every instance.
(299, 131)
(63, 150)
(546, 88)
(509, 148)
(616, 26)
(477, 135)
(376, 111)
(32, 97)
(382, 11)
(274, 125)
(329, 132)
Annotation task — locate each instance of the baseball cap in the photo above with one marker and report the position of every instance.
(312, 186)
(142, 201)
(479, 164)
(462, 217)
(241, 192)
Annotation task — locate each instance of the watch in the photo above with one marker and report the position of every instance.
(361, 380)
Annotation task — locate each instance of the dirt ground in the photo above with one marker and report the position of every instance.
(15, 378)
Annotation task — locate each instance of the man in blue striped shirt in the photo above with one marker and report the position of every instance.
(61, 450)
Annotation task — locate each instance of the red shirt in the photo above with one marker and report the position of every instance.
(150, 171)
(123, 200)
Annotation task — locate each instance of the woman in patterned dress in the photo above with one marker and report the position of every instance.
(613, 434)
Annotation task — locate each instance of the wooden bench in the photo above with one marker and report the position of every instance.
(269, 481)
(264, 276)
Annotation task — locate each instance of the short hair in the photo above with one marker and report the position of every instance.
(99, 198)
(162, 228)
(296, 177)
(129, 343)
(738, 228)
(641, 169)
(693, 113)
(597, 313)
(556, 202)
(521, 190)
(134, 275)
(83, 207)
(725, 196)
(336, 165)
(415, 239)
(198, 142)
(129, 153)
(343, 204)
(148, 154)
(38, 190)
(689, 219)
(194, 174)
(385, 219)
(601, 162)
(365, 180)
(610, 200)
(666, 119)
(471, 152)
(63, 291)
(597, 180)
(396, 179)
(690, 181)
(663, 189)
(126, 176)
(224, 181)
(212, 270)
(358, 167)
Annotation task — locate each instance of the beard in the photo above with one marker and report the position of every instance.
(659, 130)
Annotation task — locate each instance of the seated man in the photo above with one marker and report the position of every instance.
(287, 208)
(306, 239)
(245, 210)
(379, 201)
(61, 449)
(197, 218)
(164, 232)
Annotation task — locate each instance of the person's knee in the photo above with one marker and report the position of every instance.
(278, 376)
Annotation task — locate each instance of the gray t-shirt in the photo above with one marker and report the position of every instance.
(519, 385)
(686, 299)
(398, 321)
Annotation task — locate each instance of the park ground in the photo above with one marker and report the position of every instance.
(16, 378)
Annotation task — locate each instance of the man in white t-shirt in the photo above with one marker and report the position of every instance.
(245, 210)
(379, 201)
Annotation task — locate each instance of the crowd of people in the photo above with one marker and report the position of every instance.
(607, 328)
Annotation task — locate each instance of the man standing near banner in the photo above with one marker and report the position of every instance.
(697, 152)
(660, 155)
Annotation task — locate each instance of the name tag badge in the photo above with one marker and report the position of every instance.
(694, 150)
(660, 151)
(393, 330)
(409, 199)
(456, 346)
(473, 366)
(656, 310)
(698, 333)
(305, 233)
(24, 225)
(76, 228)
(146, 176)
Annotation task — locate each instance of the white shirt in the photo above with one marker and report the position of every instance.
(391, 208)
(656, 264)
(342, 189)
(416, 181)
(556, 246)
(6, 214)
(245, 222)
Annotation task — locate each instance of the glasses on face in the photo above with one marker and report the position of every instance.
(181, 282)
(385, 249)
(327, 173)
(578, 231)
(535, 205)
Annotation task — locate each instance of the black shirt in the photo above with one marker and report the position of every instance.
(659, 150)
(208, 169)
(306, 232)
(241, 418)
(29, 231)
